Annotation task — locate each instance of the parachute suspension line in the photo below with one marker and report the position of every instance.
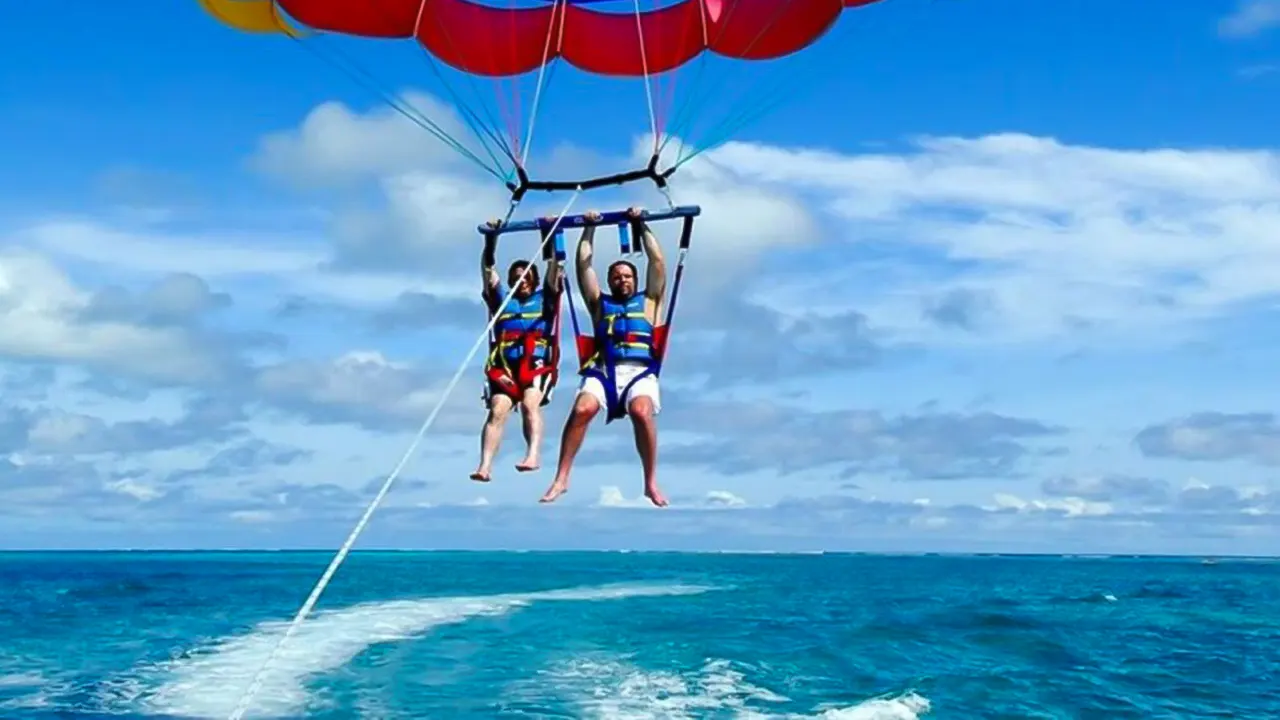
(511, 210)
(702, 17)
(557, 9)
(724, 130)
(491, 126)
(667, 102)
(507, 93)
(472, 120)
(684, 115)
(666, 193)
(365, 79)
(320, 586)
(648, 89)
(362, 77)
(746, 112)
(687, 108)
(783, 90)
(674, 128)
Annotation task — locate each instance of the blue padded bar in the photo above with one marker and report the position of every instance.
(624, 237)
(615, 217)
(560, 254)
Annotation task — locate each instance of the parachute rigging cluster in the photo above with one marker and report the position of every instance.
(525, 37)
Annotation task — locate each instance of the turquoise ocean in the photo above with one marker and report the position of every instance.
(459, 635)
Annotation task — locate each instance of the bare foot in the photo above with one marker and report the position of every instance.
(480, 476)
(655, 496)
(529, 464)
(557, 489)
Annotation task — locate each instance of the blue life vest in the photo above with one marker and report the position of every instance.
(623, 332)
(518, 319)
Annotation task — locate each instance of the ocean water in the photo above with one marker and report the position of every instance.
(637, 635)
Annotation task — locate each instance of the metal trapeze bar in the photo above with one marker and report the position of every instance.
(614, 217)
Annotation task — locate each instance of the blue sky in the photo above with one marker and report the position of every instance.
(1001, 277)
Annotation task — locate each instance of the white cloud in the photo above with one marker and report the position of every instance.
(1250, 17)
(362, 383)
(743, 213)
(294, 263)
(930, 522)
(134, 489)
(1054, 238)
(211, 254)
(1044, 237)
(252, 516)
(42, 319)
(335, 146)
(431, 198)
(724, 498)
(1257, 71)
(59, 429)
(611, 497)
(432, 203)
(1072, 506)
(429, 221)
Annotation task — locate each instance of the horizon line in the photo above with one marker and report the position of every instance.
(620, 551)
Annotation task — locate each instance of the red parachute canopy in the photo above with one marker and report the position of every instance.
(496, 41)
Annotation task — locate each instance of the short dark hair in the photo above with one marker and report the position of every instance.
(634, 272)
(518, 267)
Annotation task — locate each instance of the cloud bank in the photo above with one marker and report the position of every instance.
(852, 367)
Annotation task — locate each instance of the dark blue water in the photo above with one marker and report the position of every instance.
(612, 635)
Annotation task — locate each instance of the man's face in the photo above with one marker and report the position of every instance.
(525, 286)
(622, 281)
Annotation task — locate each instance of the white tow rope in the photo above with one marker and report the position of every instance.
(307, 607)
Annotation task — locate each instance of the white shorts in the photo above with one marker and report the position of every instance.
(646, 386)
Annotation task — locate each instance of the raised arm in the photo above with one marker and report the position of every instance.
(655, 282)
(488, 273)
(551, 284)
(588, 285)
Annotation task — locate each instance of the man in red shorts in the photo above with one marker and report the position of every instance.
(523, 353)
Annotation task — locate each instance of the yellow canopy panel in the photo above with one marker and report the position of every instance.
(260, 16)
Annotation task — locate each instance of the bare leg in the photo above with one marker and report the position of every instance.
(575, 429)
(491, 435)
(531, 414)
(646, 429)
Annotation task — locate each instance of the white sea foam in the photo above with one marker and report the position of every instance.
(22, 679)
(28, 690)
(907, 706)
(209, 681)
(615, 689)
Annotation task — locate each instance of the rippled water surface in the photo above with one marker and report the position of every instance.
(615, 635)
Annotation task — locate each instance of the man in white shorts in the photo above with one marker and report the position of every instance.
(628, 383)
(621, 376)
